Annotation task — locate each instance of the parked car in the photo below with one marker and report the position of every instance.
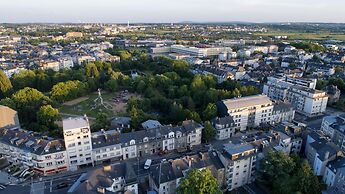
(148, 163)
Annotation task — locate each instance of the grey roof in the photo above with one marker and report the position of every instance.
(248, 101)
(159, 132)
(100, 177)
(337, 164)
(336, 122)
(150, 124)
(31, 142)
(233, 149)
(223, 120)
(105, 138)
(172, 170)
(121, 121)
(324, 148)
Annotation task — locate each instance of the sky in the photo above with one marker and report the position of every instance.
(147, 11)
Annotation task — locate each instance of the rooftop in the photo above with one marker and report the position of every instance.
(75, 123)
(244, 102)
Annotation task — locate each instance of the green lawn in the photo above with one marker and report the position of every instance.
(85, 107)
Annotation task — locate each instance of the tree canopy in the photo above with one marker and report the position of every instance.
(283, 174)
(5, 85)
(197, 182)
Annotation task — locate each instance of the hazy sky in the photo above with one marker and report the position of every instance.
(120, 11)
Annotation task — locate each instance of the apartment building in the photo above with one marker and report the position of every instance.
(198, 52)
(53, 65)
(44, 155)
(77, 137)
(334, 128)
(239, 161)
(253, 111)
(304, 99)
(224, 127)
(8, 117)
(334, 171)
(162, 138)
(106, 146)
(320, 152)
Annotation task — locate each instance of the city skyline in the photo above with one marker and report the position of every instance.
(164, 11)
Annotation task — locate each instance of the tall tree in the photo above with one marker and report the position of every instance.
(5, 85)
(91, 70)
(197, 182)
(102, 122)
(47, 115)
(307, 181)
(210, 112)
(25, 78)
(208, 133)
(28, 101)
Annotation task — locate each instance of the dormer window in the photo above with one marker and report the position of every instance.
(132, 142)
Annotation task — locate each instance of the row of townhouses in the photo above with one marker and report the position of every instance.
(81, 148)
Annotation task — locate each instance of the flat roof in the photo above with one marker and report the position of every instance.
(248, 101)
(73, 123)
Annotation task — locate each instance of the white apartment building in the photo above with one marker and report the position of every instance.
(305, 100)
(248, 111)
(239, 162)
(77, 136)
(199, 52)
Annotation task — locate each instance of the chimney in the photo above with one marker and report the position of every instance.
(326, 155)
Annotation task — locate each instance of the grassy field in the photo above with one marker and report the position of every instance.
(116, 104)
(305, 36)
(85, 107)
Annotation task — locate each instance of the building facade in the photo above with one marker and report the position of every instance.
(304, 99)
(77, 137)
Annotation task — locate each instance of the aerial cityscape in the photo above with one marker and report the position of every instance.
(164, 97)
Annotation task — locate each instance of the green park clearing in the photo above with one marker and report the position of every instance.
(116, 105)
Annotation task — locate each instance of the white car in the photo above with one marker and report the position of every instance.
(148, 163)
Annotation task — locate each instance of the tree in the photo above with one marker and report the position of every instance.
(47, 115)
(321, 84)
(67, 90)
(275, 165)
(5, 85)
(111, 85)
(28, 101)
(208, 133)
(91, 70)
(307, 181)
(283, 174)
(101, 122)
(25, 78)
(210, 112)
(137, 117)
(197, 182)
